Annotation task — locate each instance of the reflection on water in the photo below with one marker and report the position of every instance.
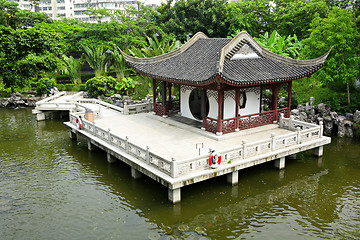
(54, 188)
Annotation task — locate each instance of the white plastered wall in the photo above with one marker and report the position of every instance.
(184, 101)
(229, 104)
(252, 102)
(213, 104)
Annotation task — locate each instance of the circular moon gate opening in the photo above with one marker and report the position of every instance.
(198, 103)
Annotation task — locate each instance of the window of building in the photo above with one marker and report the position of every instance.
(242, 101)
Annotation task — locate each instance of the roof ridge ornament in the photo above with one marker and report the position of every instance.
(234, 43)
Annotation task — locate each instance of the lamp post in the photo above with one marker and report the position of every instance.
(108, 52)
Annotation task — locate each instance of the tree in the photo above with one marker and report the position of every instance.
(121, 68)
(191, 16)
(294, 17)
(66, 30)
(253, 16)
(337, 30)
(25, 54)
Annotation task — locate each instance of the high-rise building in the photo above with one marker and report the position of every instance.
(57, 9)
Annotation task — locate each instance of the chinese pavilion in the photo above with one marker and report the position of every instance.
(228, 84)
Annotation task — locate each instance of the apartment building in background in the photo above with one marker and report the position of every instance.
(75, 9)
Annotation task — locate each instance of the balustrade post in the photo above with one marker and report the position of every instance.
(173, 168)
(244, 148)
(127, 144)
(291, 125)
(298, 135)
(147, 156)
(281, 120)
(321, 129)
(273, 143)
(109, 136)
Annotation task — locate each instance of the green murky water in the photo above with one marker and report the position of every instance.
(54, 188)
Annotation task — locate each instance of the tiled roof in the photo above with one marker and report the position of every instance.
(238, 61)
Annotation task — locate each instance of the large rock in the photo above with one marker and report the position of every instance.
(345, 127)
(323, 109)
(357, 116)
(341, 126)
(328, 125)
(350, 116)
(303, 117)
(333, 115)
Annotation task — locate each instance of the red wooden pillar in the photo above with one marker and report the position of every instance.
(275, 94)
(220, 110)
(289, 99)
(154, 95)
(163, 95)
(170, 97)
(237, 101)
(179, 97)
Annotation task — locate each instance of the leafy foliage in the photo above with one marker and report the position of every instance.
(337, 30)
(25, 54)
(253, 16)
(73, 68)
(97, 86)
(191, 16)
(288, 46)
(126, 85)
(96, 58)
(44, 85)
(156, 47)
(294, 17)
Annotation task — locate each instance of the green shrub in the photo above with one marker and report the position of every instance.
(97, 86)
(60, 87)
(143, 88)
(4, 92)
(44, 85)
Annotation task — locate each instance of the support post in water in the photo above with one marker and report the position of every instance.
(72, 135)
(233, 178)
(110, 158)
(174, 195)
(319, 151)
(280, 163)
(91, 146)
(135, 174)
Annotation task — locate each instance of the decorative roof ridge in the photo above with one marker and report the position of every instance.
(233, 43)
(266, 53)
(162, 57)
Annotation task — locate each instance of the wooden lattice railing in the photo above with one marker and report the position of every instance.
(244, 122)
(160, 110)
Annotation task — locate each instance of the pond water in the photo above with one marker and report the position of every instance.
(54, 188)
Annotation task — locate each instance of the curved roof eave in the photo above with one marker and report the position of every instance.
(166, 55)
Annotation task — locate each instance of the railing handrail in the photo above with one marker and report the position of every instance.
(45, 100)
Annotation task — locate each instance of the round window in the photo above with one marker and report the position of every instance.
(198, 103)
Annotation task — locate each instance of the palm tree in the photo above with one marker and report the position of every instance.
(121, 68)
(156, 47)
(73, 67)
(96, 57)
